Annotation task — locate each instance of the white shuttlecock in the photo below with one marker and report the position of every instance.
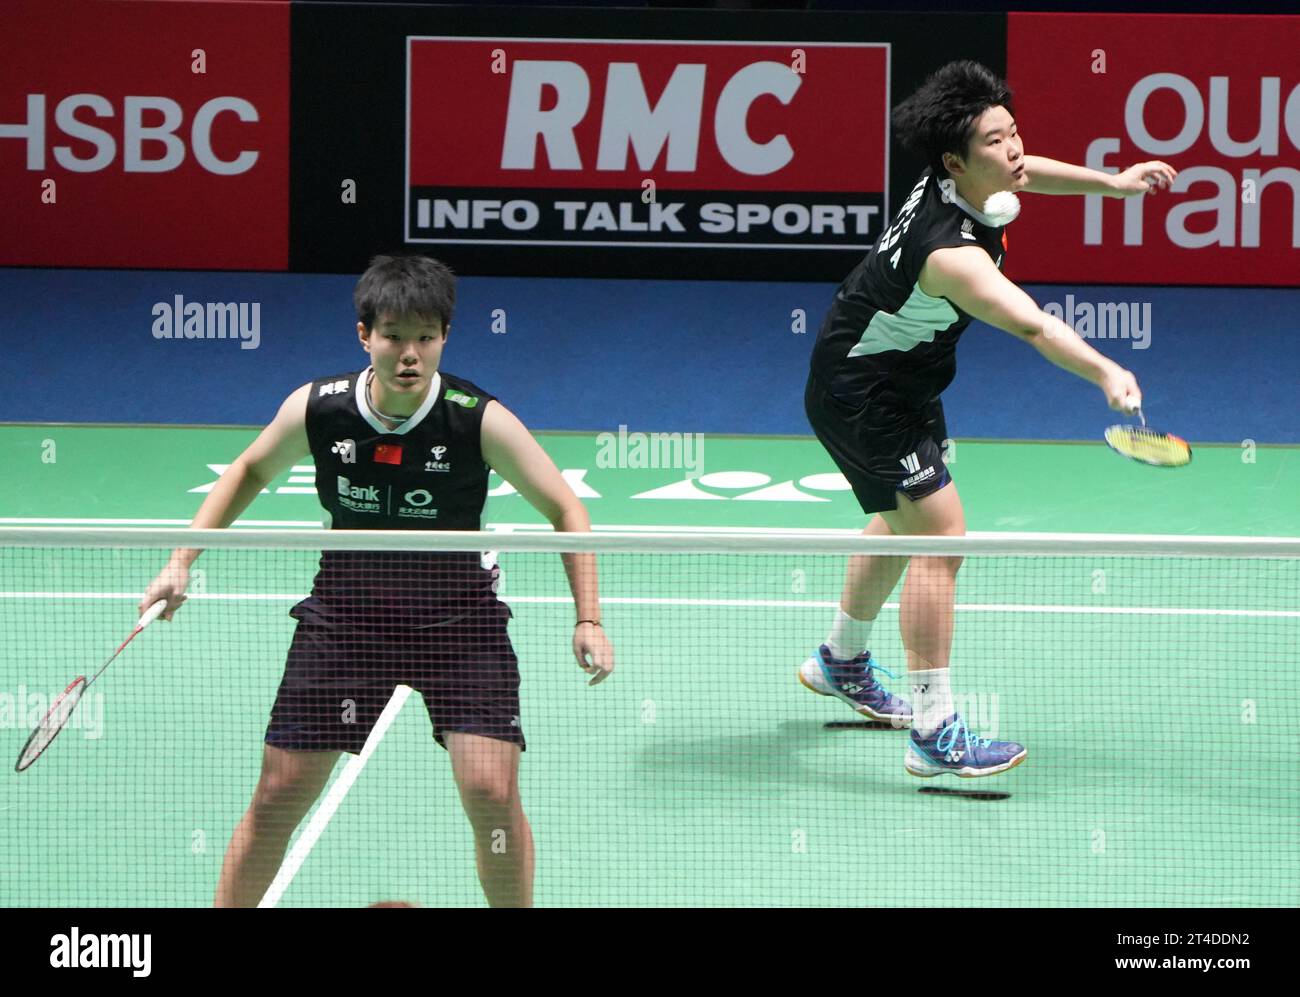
(1002, 208)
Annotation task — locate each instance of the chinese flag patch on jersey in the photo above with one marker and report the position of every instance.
(388, 453)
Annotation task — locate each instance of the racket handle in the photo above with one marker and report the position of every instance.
(151, 614)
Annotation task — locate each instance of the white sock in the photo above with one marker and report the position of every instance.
(848, 636)
(931, 699)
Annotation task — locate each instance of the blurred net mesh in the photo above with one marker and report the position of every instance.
(1155, 689)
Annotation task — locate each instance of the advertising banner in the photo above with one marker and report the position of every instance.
(145, 135)
(1218, 98)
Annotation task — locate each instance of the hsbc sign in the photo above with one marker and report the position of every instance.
(72, 114)
(638, 142)
(145, 135)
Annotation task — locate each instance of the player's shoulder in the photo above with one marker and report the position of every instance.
(461, 391)
(333, 384)
(939, 211)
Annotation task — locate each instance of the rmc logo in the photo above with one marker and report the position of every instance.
(631, 142)
(629, 122)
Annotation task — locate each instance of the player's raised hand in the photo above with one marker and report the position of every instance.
(1145, 178)
(170, 585)
(594, 652)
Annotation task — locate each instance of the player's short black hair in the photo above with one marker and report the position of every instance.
(405, 286)
(940, 116)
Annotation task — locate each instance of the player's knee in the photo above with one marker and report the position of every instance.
(487, 795)
(283, 795)
(937, 565)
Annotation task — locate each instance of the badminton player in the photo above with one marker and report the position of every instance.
(398, 445)
(883, 357)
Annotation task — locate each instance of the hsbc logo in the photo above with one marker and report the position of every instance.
(631, 142)
(119, 135)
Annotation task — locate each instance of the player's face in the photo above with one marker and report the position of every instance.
(995, 157)
(404, 353)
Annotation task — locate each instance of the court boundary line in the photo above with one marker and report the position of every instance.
(327, 807)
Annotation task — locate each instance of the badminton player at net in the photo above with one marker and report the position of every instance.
(399, 445)
(884, 355)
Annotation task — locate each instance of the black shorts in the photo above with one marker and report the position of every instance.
(338, 679)
(881, 450)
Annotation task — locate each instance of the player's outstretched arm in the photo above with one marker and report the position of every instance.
(1049, 176)
(511, 451)
(967, 277)
(276, 448)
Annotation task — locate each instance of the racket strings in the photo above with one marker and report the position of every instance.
(1151, 446)
(53, 722)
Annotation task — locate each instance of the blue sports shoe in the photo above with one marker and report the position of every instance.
(855, 683)
(953, 749)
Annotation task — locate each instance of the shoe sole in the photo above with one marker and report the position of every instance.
(968, 773)
(866, 711)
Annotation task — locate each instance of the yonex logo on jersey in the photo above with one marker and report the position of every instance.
(346, 449)
(911, 463)
(460, 398)
(333, 388)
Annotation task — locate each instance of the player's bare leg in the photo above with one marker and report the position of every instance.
(870, 578)
(941, 742)
(289, 785)
(842, 667)
(925, 616)
(487, 774)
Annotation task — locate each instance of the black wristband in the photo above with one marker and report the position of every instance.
(592, 622)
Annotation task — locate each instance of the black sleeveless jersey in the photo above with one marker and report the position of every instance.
(886, 342)
(427, 474)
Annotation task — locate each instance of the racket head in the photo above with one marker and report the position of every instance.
(1149, 446)
(56, 717)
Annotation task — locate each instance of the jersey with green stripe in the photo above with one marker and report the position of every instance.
(885, 341)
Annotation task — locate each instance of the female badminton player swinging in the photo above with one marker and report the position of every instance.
(883, 356)
(399, 445)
